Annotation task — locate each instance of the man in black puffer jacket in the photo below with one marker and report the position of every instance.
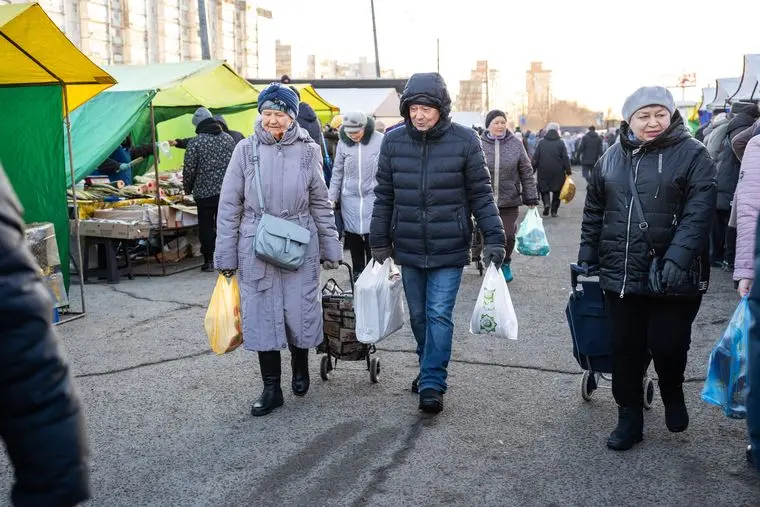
(431, 179)
(40, 417)
(675, 182)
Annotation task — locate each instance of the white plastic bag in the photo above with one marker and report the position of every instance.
(494, 313)
(378, 302)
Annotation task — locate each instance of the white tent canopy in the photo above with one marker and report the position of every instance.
(708, 96)
(726, 87)
(380, 103)
(749, 88)
(468, 118)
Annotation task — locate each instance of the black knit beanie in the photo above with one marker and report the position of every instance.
(494, 114)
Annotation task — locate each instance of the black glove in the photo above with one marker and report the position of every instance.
(227, 273)
(588, 269)
(673, 277)
(495, 254)
(382, 253)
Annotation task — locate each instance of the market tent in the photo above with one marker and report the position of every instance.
(708, 96)
(725, 88)
(748, 88)
(380, 103)
(325, 109)
(467, 118)
(100, 125)
(181, 88)
(43, 76)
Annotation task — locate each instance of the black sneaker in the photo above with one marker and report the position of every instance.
(431, 401)
(207, 268)
(546, 211)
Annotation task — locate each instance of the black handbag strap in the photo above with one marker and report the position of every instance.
(636, 203)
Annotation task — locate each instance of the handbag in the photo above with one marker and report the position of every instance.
(278, 241)
(654, 281)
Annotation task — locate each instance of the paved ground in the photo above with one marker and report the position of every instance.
(169, 423)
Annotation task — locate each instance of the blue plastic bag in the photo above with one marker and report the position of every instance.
(727, 384)
(531, 237)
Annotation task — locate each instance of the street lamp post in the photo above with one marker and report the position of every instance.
(374, 35)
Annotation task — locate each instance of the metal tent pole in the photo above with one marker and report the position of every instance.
(82, 267)
(158, 186)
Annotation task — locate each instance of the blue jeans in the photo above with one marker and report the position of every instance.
(430, 296)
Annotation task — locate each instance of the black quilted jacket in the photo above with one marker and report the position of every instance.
(40, 417)
(430, 184)
(675, 180)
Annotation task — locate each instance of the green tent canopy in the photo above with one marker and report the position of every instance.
(100, 125)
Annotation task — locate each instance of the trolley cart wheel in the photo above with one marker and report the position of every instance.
(374, 370)
(588, 385)
(325, 367)
(648, 386)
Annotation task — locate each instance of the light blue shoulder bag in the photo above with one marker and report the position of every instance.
(278, 241)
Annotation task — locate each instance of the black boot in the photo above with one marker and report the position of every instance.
(546, 211)
(271, 397)
(299, 362)
(431, 401)
(630, 429)
(676, 416)
(208, 264)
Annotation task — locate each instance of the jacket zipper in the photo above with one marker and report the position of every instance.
(424, 196)
(628, 230)
(497, 163)
(361, 197)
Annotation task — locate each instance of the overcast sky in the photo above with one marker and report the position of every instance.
(597, 54)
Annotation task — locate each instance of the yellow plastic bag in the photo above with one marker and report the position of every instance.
(568, 190)
(223, 323)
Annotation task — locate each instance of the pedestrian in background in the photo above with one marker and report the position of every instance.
(590, 151)
(650, 200)
(552, 166)
(353, 183)
(511, 178)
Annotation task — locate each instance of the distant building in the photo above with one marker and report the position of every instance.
(283, 57)
(538, 85)
(478, 93)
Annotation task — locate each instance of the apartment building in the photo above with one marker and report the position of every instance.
(157, 31)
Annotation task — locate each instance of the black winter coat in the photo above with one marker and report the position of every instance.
(429, 184)
(551, 162)
(727, 163)
(675, 180)
(40, 417)
(590, 149)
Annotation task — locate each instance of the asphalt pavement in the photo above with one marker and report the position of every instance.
(169, 422)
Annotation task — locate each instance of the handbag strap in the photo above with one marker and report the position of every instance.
(636, 203)
(257, 170)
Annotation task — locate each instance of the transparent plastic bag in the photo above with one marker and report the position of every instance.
(494, 313)
(223, 321)
(727, 384)
(378, 302)
(531, 237)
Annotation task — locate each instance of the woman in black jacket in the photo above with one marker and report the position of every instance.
(650, 310)
(552, 164)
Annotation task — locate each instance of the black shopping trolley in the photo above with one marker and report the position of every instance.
(591, 334)
(340, 341)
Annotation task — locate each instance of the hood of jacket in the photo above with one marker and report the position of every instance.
(593, 134)
(552, 135)
(744, 115)
(674, 134)
(209, 126)
(369, 129)
(306, 112)
(430, 89)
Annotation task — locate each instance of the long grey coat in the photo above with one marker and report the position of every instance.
(354, 178)
(278, 306)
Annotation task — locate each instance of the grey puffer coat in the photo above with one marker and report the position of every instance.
(278, 306)
(515, 184)
(354, 178)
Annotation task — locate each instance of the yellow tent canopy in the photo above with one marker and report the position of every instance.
(325, 110)
(33, 51)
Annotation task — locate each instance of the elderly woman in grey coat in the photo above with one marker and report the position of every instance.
(353, 182)
(280, 308)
